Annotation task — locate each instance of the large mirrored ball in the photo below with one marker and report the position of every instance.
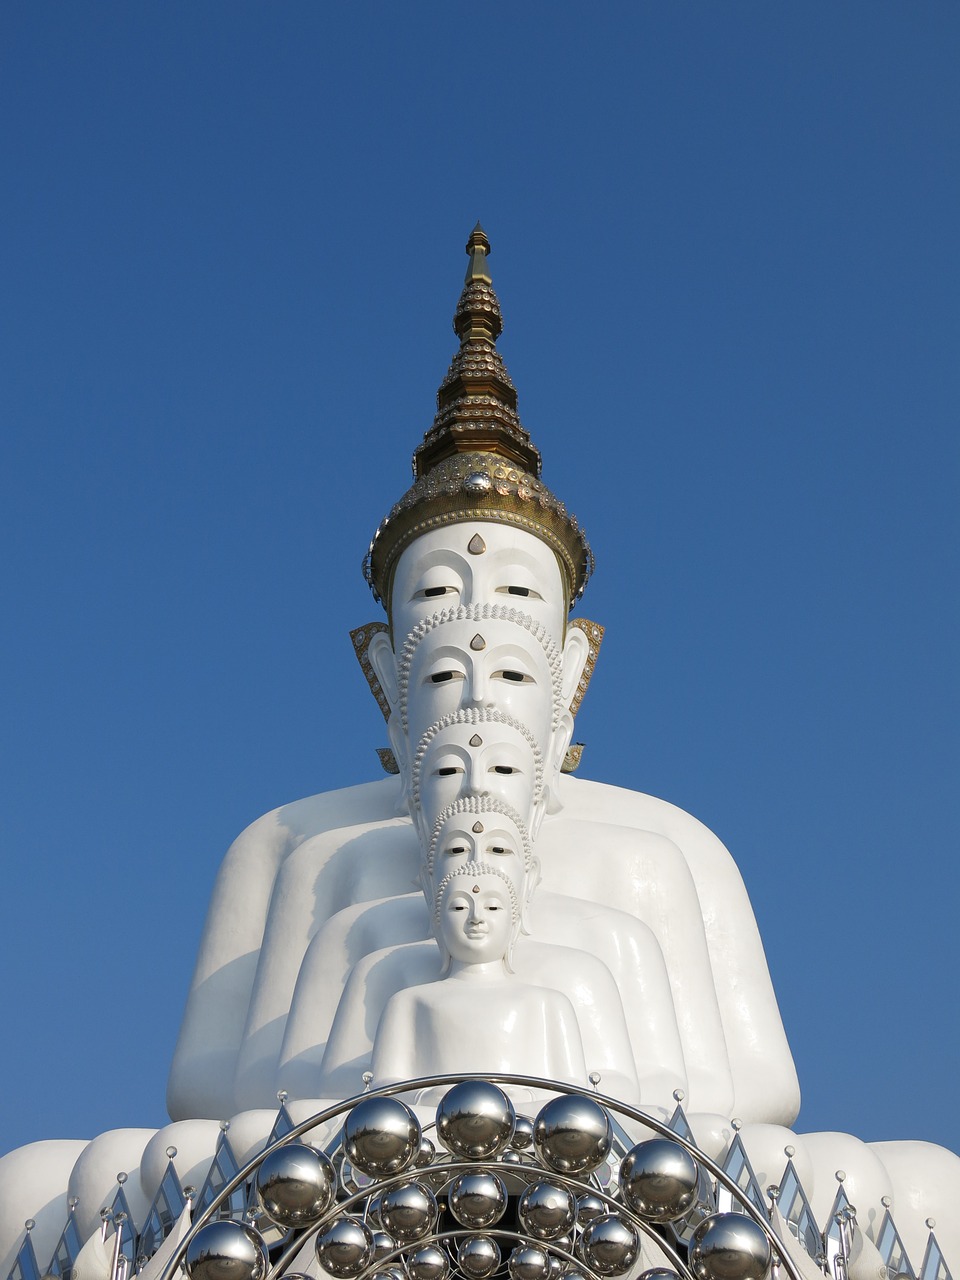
(477, 1199)
(428, 1263)
(572, 1134)
(547, 1212)
(478, 1257)
(408, 1212)
(226, 1251)
(658, 1180)
(295, 1184)
(609, 1245)
(381, 1136)
(475, 1120)
(345, 1248)
(729, 1246)
(529, 1262)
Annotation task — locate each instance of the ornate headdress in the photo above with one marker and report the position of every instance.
(477, 462)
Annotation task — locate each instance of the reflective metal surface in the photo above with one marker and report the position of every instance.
(408, 1212)
(345, 1248)
(529, 1262)
(572, 1134)
(226, 1251)
(428, 1263)
(546, 1211)
(477, 1200)
(478, 1257)
(295, 1184)
(609, 1245)
(381, 1136)
(475, 1120)
(658, 1180)
(728, 1246)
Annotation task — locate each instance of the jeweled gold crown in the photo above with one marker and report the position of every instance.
(477, 462)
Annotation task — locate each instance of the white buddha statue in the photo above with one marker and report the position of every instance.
(640, 948)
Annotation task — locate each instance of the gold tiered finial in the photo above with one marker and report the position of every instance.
(477, 462)
(477, 401)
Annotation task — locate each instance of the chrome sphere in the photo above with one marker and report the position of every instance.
(383, 1244)
(588, 1208)
(609, 1245)
(388, 1273)
(729, 1246)
(295, 1184)
(226, 1250)
(428, 1263)
(546, 1211)
(408, 1212)
(658, 1180)
(475, 1120)
(658, 1273)
(477, 1199)
(522, 1138)
(572, 1134)
(345, 1248)
(529, 1262)
(425, 1154)
(381, 1136)
(478, 1257)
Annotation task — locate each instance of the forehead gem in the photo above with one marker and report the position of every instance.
(476, 546)
(476, 741)
(476, 888)
(478, 642)
(477, 828)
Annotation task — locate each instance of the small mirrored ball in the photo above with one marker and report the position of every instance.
(428, 1263)
(529, 1262)
(589, 1207)
(546, 1211)
(477, 1200)
(478, 1257)
(522, 1139)
(345, 1248)
(408, 1212)
(729, 1246)
(383, 1244)
(609, 1245)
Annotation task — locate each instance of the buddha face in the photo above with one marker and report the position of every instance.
(480, 755)
(440, 570)
(483, 664)
(475, 918)
(484, 832)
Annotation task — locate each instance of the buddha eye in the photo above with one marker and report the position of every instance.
(457, 848)
(517, 676)
(428, 593)
(441, 677)
(448, 769)
(520, 591)
(497, 848)
(504, 768)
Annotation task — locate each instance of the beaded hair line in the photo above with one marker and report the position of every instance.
(479, 804)
(471, 870)
(481, 613)
(475, 716)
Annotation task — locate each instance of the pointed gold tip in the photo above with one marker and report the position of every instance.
(478, 246)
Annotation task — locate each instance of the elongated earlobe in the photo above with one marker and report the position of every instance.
(576, 651)
(380, 653)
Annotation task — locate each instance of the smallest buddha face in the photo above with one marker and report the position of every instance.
(476, 918)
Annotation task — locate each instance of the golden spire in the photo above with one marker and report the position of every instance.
(477, 462)
(477, 401)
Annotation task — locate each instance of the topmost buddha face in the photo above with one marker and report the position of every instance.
(477, 563)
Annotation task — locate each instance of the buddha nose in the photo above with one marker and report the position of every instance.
(475, 777)
(479, 693)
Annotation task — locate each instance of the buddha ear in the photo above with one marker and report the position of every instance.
(380, 653)
(562, 737)
(576, 651)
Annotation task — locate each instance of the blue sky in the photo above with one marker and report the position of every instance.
(725, 242)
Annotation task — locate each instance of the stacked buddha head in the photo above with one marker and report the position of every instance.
(478, 673)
